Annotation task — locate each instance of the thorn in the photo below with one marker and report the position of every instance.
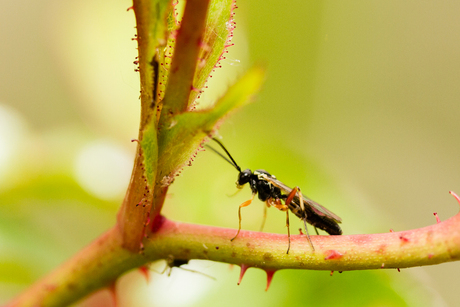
(391, 230)
(144, 270)
(130, 8)
(113, 292)
(134, 140)
(244, 267)
(398, 270)
(455, 195)
(270, 274)
(332, 273)
(437, 218)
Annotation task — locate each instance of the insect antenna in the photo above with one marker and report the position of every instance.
(231, 160)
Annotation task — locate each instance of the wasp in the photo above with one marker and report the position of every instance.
(276, 194)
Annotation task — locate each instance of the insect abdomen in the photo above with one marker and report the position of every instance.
(329, 226)
(318, 221)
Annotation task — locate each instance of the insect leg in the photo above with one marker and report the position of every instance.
(245, 204)
(265, 216)
(171, 263)
(289, 232)
(302, 205)
(290, 197)
(283, 207)
(308, 235)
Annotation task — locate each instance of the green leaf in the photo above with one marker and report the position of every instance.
(217, 37)
(154, 20)
(184, 60)
(178, 143)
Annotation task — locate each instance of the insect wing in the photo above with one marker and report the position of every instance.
(320, 210)
(317, 208)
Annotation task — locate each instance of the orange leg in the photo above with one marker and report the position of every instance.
(278, 205)
(265, 217)
(245, 204)
(290, 197)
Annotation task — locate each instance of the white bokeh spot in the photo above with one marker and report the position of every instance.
(103, 169)
(12, 133)
(192, 286)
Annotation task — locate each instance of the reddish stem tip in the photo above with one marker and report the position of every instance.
(144, 270)
(455, 195)
(244, 267)
(113, 291)
(270, 274)
(437, 218)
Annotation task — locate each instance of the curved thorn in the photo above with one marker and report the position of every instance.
(270, 274)
(244, 267)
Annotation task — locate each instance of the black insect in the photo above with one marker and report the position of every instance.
(273, 192)
(171, 263)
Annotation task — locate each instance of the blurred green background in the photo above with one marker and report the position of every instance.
(360, 109)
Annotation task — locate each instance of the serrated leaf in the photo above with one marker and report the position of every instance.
(153, 28)
(178, 143)
(217, 37)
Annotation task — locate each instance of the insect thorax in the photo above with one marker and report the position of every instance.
(265, 189)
